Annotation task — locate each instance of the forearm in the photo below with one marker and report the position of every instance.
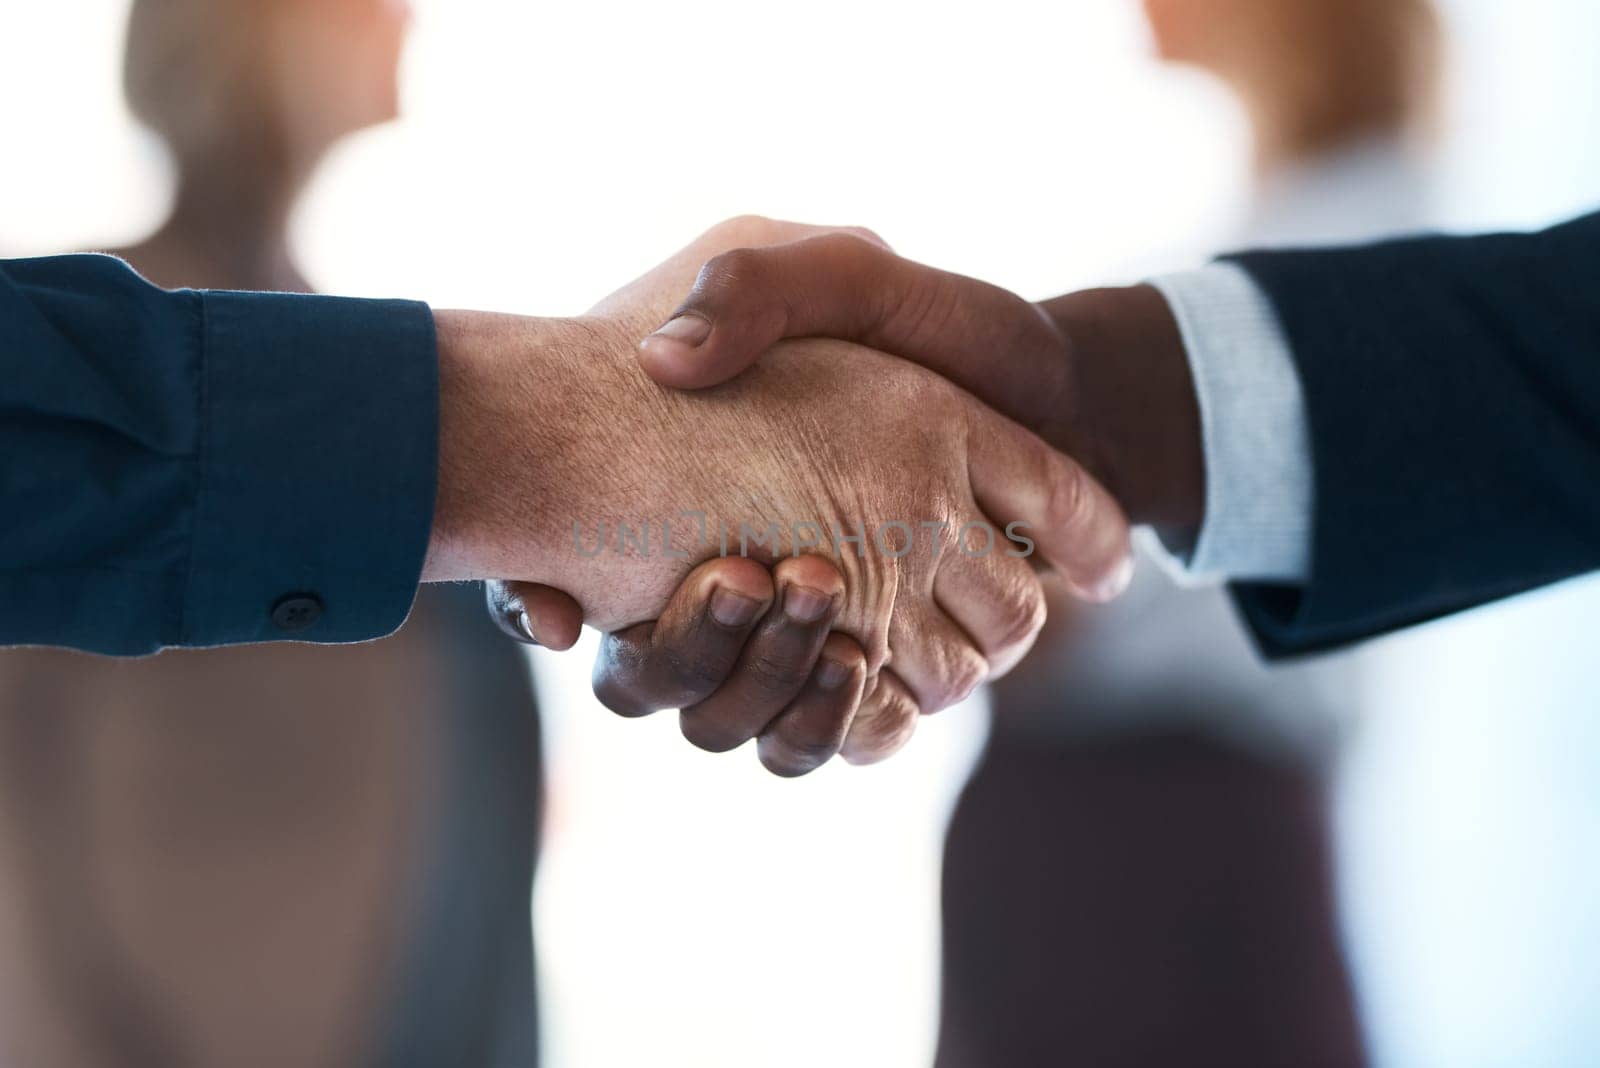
(187, 468)
(1361, 423)
(1452, 393)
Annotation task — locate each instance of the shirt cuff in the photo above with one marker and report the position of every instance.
(318, 461)
(1257, 441)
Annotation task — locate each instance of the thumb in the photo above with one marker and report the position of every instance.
(989, 341)
(535, 614)
(745, 301)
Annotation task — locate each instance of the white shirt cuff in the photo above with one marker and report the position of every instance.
(1257, 438)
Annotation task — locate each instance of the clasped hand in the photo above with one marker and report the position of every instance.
(819, 644)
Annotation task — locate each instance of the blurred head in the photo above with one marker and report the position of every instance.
(1333, 65)
(303, 72)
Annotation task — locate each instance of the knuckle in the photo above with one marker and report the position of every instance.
(776, 673)
(964, 672)
(867, 234)
(811, 734)
(698, 672)
(739, 225)
(883, 728)
(1022, 612)
(851, 241)
(757, 230)
(730, 269)
(880, 744)
(1071, 505)
(924, 308)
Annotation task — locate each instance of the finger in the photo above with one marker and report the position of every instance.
(992, 595)
(884, 724)
(683, 657)
(777, 660)
(844, 286)
(810, 732)
(535, 614)
(1051, 505)
(935, 660)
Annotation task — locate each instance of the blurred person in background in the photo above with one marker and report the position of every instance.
(1139, 870)
(297, 854)
(276, 855)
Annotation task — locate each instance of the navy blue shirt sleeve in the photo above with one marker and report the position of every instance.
(1452, 388)
(205, 468)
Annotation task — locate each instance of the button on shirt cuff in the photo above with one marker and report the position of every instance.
(318, 458)
(1257, 444)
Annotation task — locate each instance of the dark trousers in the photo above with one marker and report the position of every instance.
(1153, 902)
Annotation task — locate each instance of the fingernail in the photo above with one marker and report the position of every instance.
(831, 674)
(525, 625)
(1116, 585)
(804, 604)
(689, 330)
(733, 609)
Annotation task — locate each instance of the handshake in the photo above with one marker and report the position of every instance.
(819, 501)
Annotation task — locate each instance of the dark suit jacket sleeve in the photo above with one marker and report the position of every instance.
(1453, 392)
(184, 468)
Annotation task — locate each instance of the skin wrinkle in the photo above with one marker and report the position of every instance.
(795, 438)
(879, 568)
(698, 441)
(887, 719)
(870, 569)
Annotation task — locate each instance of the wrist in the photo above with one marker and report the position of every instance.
(504, 423)
(1135, 420)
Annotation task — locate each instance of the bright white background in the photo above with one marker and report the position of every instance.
(691, 910)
